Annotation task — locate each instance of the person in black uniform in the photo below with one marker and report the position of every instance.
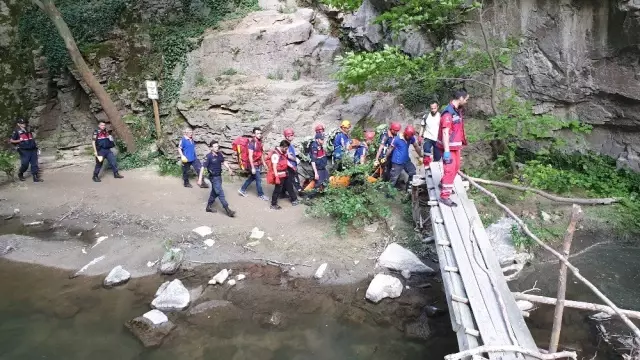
(102, 144)
(28, 150)
(214, 162)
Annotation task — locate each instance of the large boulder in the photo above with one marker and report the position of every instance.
(171, 297)
(171, 261)
(395, 257)
(150, 328)
(383, 286)
(116, 277)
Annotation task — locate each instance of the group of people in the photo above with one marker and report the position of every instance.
(442, 138)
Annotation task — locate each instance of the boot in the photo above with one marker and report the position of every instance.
(21, 177)
(96, 178)
(209, 207)
(440, 187)
(204, 185)
(448, 202)
(118, 176)
(187, 184)
(36, 178)
(230, 212)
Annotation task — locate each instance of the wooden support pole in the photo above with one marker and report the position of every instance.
(511, 348)
(156, 115)
(576, 214)
(575, 305)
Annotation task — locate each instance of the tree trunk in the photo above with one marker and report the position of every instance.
(109, 107)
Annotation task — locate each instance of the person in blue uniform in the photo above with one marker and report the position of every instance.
(102, 144)
(28, 149)
(213, 162)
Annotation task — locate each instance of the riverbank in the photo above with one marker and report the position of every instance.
(143, 213)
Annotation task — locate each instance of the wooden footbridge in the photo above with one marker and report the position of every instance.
(483, 311)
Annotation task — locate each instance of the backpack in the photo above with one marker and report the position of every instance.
(241, 148)
(329, 144)
(305, 154)
(271, 176)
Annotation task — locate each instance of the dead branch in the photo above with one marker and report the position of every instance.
(576, 215)
(574, 304)
(574, 270)
(511, 348)
(579, 201)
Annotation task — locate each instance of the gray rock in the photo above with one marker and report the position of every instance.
(195, 293)
(383, 286)
(395, 257)
(208, 305)
(499, 235)
(117, 276)
(171, 261)
(173, 297)
(419, 329)
(148, 332)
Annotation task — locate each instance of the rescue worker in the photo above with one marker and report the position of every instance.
(213, 162)
(360, 156)
(385, 142)
(319, 129)
(28, 149)
(187, 151)
(341, 143)
(102, 144)
(319, 162)
(451, 139)
(282, 180)
(429, 131)
(292, 160)
(256, 162)
(399, 155)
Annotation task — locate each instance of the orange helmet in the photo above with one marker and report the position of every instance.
(319, 128)
(288, 132)
(369, 135)
(409, 131)
(395, 127)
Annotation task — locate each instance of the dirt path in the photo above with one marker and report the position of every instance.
(142, 211)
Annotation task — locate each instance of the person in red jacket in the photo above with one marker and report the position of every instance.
(451, 139)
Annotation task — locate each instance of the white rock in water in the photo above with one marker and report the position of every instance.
(406, 274)
(395, 257)
(162, 288)
(524, 305)
(174, 297)
(231, 282)
(203, 231)
(220, 277)
(384, 286)
(320, 272)
(601, 316)
(117, 276)
(240, 277)
(209, 242)
(157, 317)
(256, 233)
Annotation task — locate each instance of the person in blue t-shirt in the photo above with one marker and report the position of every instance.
(360, 156)
(187, 151)
(213, 162)
(400, 158)
(341, 143)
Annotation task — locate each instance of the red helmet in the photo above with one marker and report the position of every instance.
(395, 126)
(288, 132)
(409, 131)
(369, 135)
(319, 128)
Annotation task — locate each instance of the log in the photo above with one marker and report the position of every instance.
(580, 201)
(575, 304)
(511, 348)
(574, 270)
(576, 214)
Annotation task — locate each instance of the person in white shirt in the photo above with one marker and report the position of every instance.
(429, 131)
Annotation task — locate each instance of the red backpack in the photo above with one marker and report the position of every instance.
(241, 148)
(281, 167)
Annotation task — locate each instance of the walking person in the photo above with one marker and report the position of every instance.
(277, 171)
(213, 162)
(429, 131)
(451, 139)
(28, 149)
(319, 162)
(256, 163)
(399, 155)
(102, 145)
(292, 160)
(187, 151)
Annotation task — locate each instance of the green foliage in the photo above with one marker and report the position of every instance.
(519, 239)
(435, 16)
(390, 69)
(343, 5)
(359, 204)
(230, 72)
(169, 167)
(8, 160)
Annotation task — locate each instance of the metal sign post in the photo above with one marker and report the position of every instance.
(152, 93)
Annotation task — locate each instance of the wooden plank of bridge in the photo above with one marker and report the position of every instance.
(460, 313)
(481, 295)
(516, 320)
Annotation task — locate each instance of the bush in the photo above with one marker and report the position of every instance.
(8, 160)
(357, 205)
(169, 167)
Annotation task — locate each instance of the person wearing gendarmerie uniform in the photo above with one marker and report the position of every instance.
(102, 144)
(430, 128)
(451, 139)
(187, 151)
(213, 162)
(28, 150)
(319, 162)
(256, 161)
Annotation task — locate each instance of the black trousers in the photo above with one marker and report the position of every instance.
(285, 184)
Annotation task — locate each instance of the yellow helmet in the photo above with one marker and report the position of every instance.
(345, 124)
